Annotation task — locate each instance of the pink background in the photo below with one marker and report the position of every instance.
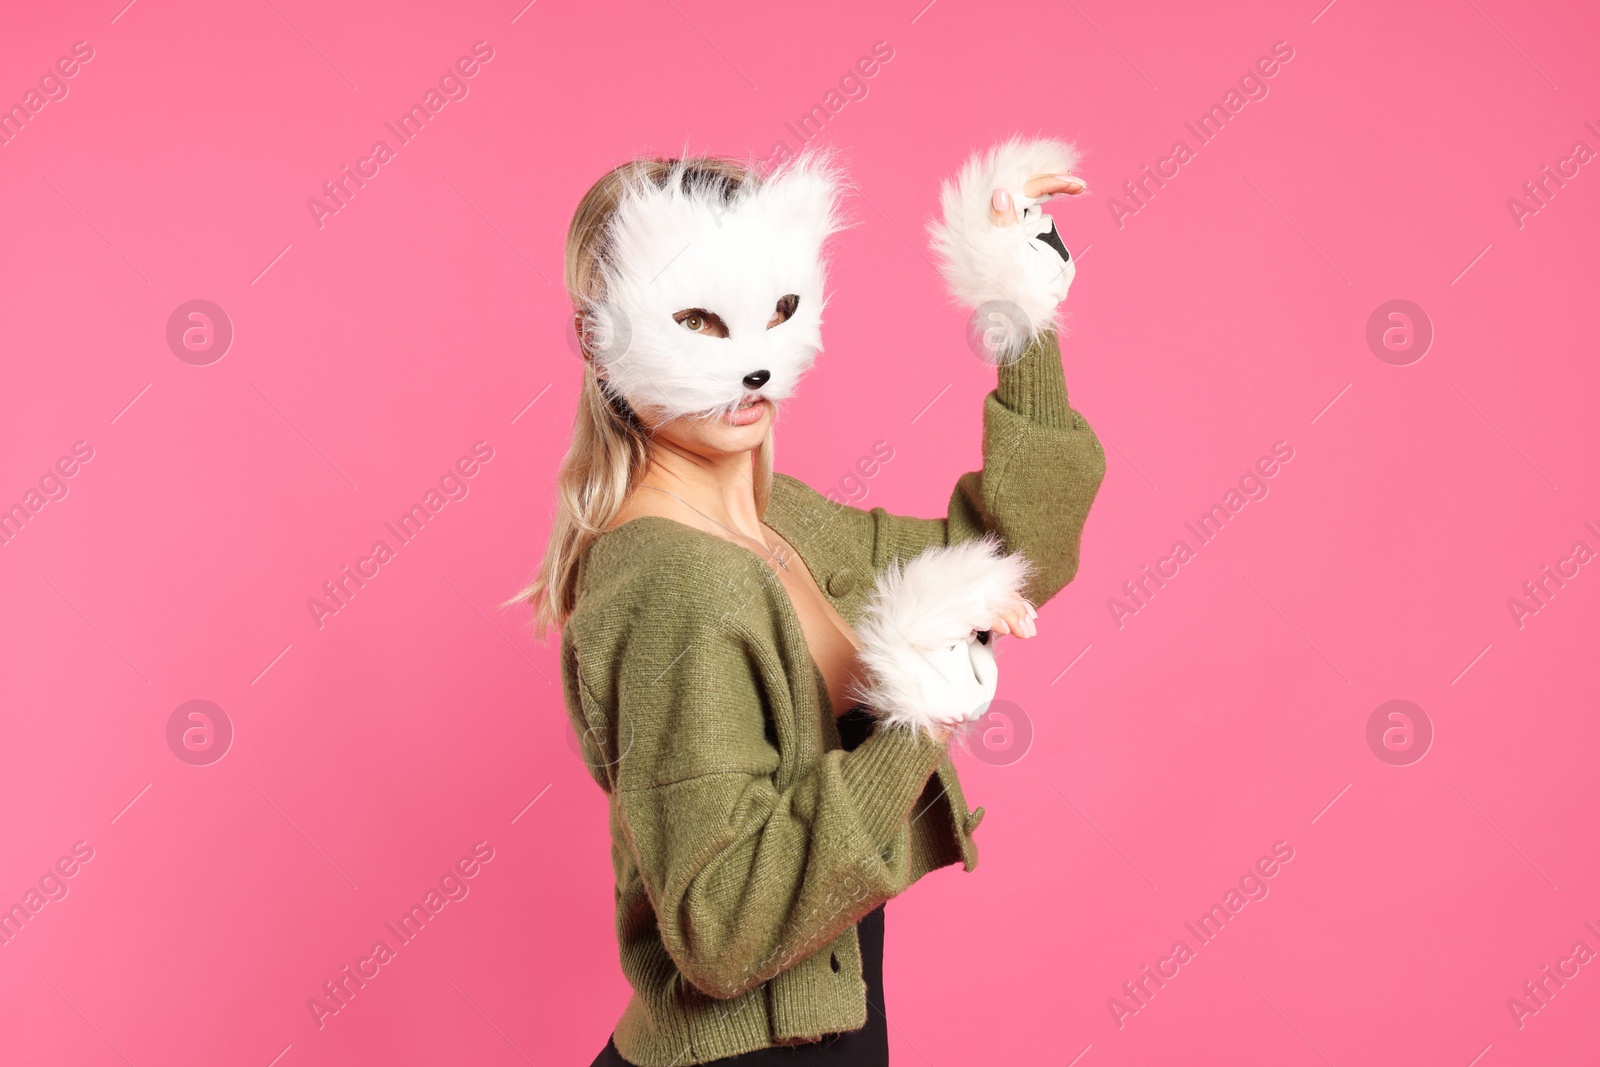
(1228, 313)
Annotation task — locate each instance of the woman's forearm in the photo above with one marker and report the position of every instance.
(746, 879)
(1042, 468)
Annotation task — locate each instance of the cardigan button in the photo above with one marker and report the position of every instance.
(842, 582)
(974, 817)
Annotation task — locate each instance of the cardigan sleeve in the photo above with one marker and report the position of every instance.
(1042, 468)
(747, 875)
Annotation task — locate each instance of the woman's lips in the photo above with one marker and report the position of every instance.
(748, 412)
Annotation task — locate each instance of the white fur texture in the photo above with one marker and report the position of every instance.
(670, 249)
(1015, 281)
(922, 661)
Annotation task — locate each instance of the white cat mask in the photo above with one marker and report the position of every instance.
(740, 256)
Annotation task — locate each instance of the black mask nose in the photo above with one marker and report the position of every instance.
(757, 378)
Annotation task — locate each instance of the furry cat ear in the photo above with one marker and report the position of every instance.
(810, 188)
(1015, 275)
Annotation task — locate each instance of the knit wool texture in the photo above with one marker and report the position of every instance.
(745, 841)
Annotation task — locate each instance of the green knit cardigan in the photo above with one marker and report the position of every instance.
(746, 842)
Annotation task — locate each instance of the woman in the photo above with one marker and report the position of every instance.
(739, 678)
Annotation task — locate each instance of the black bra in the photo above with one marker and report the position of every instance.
(855, 726)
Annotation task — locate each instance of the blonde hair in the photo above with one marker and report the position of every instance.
(610, 447)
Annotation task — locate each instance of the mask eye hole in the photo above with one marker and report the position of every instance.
(785, 311)
(699, 320)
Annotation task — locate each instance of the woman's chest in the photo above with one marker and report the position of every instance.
(831, 641)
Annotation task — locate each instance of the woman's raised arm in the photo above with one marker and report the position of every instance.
(1042, 464)
(1042, 468)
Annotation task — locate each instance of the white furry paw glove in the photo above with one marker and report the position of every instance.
(927, 653)
(1014, 276)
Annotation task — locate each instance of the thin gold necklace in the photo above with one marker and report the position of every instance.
(780, 560)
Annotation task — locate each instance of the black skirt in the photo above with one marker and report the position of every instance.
(866, 1047)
